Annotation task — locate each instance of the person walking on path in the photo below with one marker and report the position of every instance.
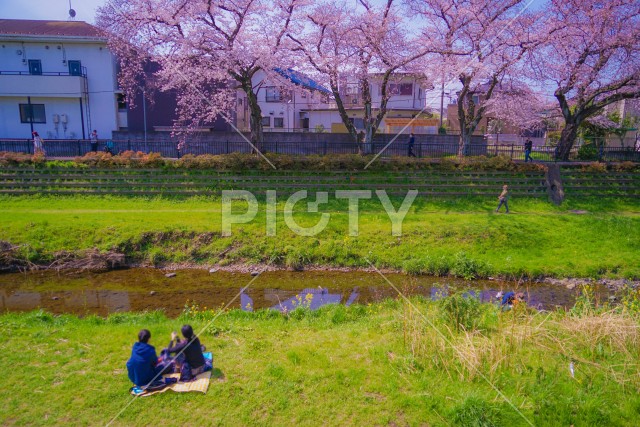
(528, 146)
(412, 141)
(38, 143)
(94, 141)
(503, 199)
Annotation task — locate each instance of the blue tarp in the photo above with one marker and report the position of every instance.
(300, 79)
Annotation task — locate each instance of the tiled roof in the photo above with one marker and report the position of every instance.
(27, 27)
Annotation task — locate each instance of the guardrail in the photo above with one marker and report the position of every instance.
(72, 148)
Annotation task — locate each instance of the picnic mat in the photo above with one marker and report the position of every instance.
(200, 384)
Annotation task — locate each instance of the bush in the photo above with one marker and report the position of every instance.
(626, 167)
(595, 167)
(475, 412)
(461, 311)
(468, 268)
(498, 163)
(247, 162)
(588, 151)
(130, 159)
(8, 158)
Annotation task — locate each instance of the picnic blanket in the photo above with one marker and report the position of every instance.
(199, 384)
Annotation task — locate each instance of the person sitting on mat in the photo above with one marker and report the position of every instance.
(190, 358)
(142, 366)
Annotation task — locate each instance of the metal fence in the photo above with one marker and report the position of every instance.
(72, 148)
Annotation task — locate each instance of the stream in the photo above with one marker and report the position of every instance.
(140, 289)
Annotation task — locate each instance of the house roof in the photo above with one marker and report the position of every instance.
(300, 79)
(49, 29)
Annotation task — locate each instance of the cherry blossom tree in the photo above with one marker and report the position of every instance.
(365, 45)
(206, 49)
(591, 57)
(518, 105)
(480, 42)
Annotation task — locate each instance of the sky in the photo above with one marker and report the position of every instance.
(59, 9)
(86, 11)
(49, 9)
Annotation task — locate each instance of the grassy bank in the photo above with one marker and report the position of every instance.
(361, 365)
(461, 237)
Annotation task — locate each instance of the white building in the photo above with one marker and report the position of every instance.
(286, 99)
(59, 79)
(408, 94)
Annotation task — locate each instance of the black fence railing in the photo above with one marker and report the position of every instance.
(72, 148)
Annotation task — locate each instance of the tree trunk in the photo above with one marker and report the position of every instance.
(567, 139)
(465, 142)
(344, 116)
(255, 122)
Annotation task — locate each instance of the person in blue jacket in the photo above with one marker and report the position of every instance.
(510, 299)
(143, 366)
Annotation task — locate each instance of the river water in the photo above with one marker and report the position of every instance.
(140, 289)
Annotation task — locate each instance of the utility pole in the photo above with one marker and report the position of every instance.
(144, 118)
(441, 102)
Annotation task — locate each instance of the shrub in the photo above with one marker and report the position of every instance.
(295, 259)
(626, 167)
(415, 266)
(588, 151)
(468, 268)
(461, 311)
(595, 167)
(475, 412)
(8, 158)
(247, 162)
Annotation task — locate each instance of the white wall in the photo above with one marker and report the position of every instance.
(303, 99)
(10, 126)
(60, 90)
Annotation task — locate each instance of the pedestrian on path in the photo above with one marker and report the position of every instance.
(94, 141)
(38, 143)
(503, 199)
(528, 146)
(412, 141)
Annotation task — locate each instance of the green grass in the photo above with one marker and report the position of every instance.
(359, 365)
(462, 237)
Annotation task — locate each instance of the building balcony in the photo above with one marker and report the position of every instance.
(49, 85)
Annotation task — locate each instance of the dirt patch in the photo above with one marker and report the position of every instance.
(11, 260)
(91, 260)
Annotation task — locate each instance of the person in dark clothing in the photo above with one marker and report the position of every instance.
(143, 366)
(94, 141)
(189, 351)
(528, 146)
(412, 141)
(510, 299)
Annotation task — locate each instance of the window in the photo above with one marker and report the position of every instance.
(278, 122)
(352, 89)
(357, 122)
(35, 67)
(266, 121)
(75, 68)
(400, 89)
(32, 113)
(122, 101)
(272, 94)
